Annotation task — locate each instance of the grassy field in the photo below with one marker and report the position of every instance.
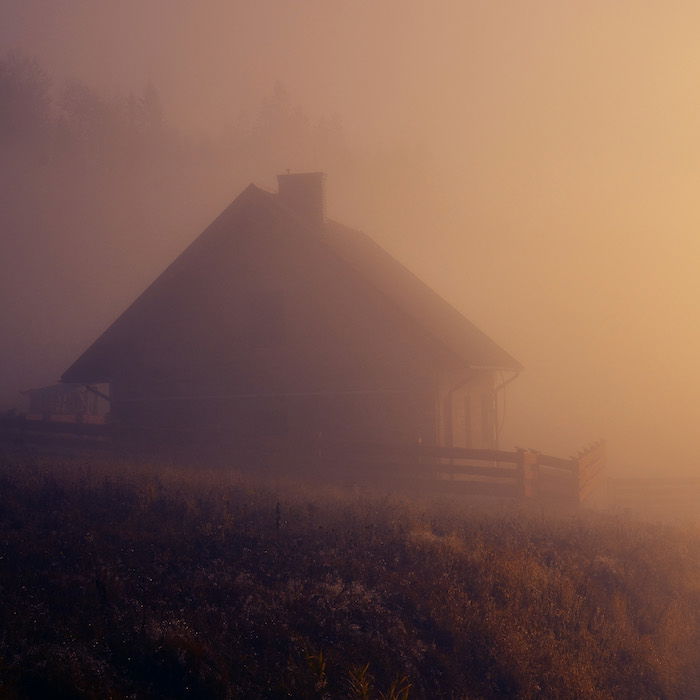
(125, 579)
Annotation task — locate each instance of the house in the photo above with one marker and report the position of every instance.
(277, 324)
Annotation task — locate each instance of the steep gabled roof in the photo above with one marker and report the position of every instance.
(417, 299)
(358, 251)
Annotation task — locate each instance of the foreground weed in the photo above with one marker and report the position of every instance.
(399, 689)
(360, 682)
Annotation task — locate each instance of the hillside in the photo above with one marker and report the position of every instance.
(122, 579)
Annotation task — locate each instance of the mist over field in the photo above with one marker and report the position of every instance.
(536, 164)
(277, 464)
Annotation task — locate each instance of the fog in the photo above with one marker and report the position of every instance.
(535, 163)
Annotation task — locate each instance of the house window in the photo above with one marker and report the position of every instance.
(266, 320)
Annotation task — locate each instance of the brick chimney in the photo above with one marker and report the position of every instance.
(304, 193)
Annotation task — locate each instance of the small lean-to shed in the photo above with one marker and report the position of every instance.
(60, 402)
(277, 324)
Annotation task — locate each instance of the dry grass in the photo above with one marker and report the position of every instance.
(122, 579)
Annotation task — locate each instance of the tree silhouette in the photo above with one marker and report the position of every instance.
(25, 103)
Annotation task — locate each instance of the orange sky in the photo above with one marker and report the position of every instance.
(557, 207)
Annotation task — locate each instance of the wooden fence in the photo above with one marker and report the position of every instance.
(523, 474)
(34, 424)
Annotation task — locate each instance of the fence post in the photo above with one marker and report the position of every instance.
(528, 464)
(587, 470)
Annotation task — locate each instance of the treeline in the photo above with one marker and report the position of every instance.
(75, 125)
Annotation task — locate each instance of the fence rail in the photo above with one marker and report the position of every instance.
(521, 473)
